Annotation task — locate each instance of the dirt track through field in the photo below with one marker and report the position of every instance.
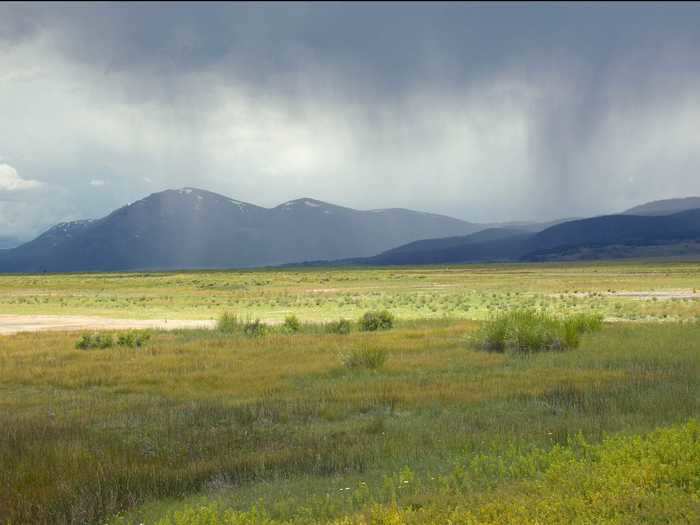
(12, 324)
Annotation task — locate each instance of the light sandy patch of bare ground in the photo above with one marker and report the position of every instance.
(644, 295)
(678, 294)
(12, 324)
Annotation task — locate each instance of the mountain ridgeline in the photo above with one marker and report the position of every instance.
(197, 229)
(193, 228)
(606, 237)
(665, 207)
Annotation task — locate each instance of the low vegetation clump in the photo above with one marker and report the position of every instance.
(255, 328)
(228, 323)
(90, 341)
(586, 323)
(376, 320)
(127, 339)
(133, 339)
(525, 331)
(367, 358)
(291, 324)
(341, 326)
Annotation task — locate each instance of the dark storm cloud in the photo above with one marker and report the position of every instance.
(483, 111)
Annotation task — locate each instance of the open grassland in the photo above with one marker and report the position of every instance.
(200, 427)
(622, 290)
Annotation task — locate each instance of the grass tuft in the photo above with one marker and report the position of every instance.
(364, 358)
(527, 330)
(228, 323)
(90, 341)
(255, 328)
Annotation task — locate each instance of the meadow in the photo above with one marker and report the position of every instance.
(310, 426)
(666, 291)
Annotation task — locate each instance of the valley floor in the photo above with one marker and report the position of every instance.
(200, 426)
(626, 290)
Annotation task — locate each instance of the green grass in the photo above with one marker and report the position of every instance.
(653, 478)
(526, 331)
(368, 358)
(314, 421)
(228, 323)
(203, 417)
(341, 326)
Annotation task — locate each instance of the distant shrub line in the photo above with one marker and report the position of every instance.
(102, 341)
(229, 323)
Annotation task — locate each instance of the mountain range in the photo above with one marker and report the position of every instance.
(605, 237)
(192, 228)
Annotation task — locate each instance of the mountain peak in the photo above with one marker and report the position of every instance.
(306, 203)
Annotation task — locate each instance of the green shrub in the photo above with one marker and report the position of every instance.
(525, 331)
(369, 358)
(133, 339)
(228, 323)
(341, 326)
(379, 320)
(291, 324)
(88, 341)
(255, 328)
(586, 323)
(492, 335)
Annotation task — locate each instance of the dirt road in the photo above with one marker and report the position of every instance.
(12, 324)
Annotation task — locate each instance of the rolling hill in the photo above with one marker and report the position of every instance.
(665, 207)
(192, 228)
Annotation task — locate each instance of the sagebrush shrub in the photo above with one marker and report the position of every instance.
(88, 341)
(255, 328)
(376, 320)
(133, 339)
(291, 324)
(341, 326)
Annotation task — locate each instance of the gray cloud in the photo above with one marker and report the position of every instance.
(483, 112)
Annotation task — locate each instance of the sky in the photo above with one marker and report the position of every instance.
(483, 112)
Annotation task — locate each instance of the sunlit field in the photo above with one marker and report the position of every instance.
(414, 424)
(632, 291)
